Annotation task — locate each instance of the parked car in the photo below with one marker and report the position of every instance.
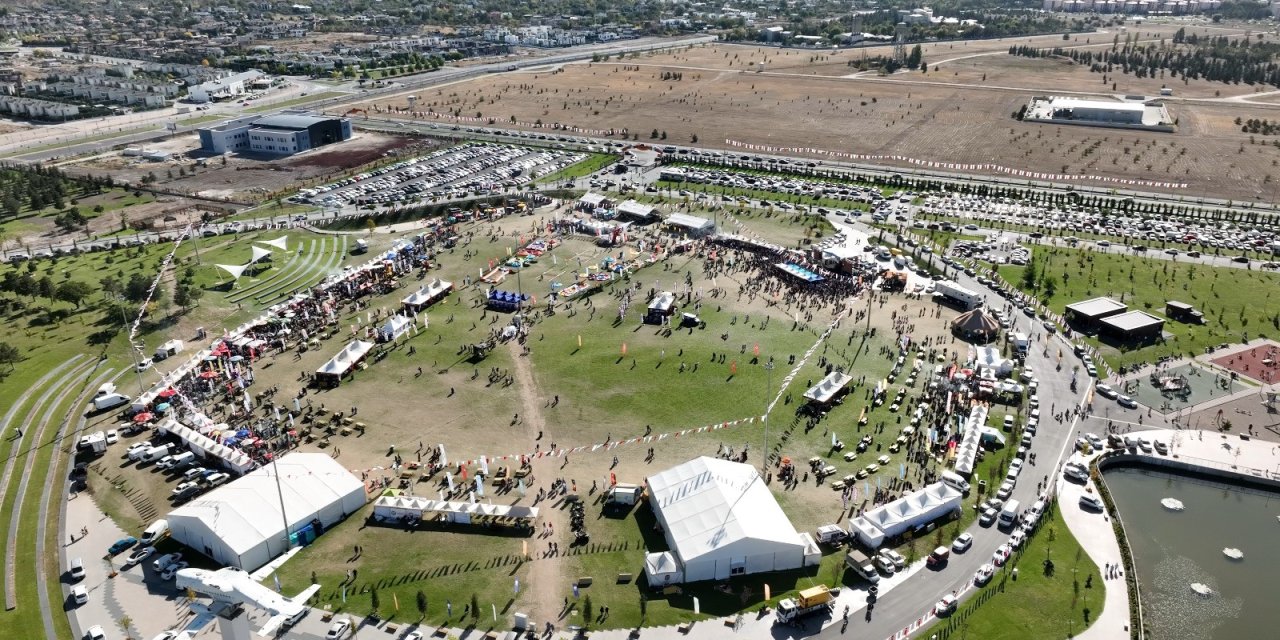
(338, 629)
(80, 594)
(983, 576)
(962, 542)
(139, 555)
(1090, 502)
(121, 545)
(945, 606)
(95, 633)
(172, 570)
(1127, 402)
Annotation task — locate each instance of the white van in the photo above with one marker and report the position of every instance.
(156, 453)
(955, 481)
(1009, 514)
(177, 460)
(110, 400)
(830, 534)
(158, 531)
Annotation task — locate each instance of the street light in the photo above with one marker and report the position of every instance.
(768, 393)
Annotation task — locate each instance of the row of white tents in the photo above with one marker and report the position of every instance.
(415, 507)
(204, 446)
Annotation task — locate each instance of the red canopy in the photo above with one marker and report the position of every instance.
(167, 393)
(145, 416)
(208, 375)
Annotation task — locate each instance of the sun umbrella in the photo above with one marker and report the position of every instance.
(162, 407)
(143, 417)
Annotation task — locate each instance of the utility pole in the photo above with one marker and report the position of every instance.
(768, 393)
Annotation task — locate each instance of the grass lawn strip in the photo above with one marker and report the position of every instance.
(48, 565)
(591, 164)
(281, 272)
(1234, 301)
(1039, 603)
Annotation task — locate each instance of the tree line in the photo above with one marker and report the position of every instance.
(35, 188)
(1218, 58)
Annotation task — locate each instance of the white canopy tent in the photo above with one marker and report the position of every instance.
(394, 327)
(339, 365)
(280, 243)
(241, 524)
(204, 446)
(990, 358)
(912, 510)
(416, 507)
(967, 452)
(427, 295)
(236, 270)
(829, 387)
(720, 520)
(258, 254)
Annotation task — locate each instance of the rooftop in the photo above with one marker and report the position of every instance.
(1097, 307)
(295, 122)
(1133, 321)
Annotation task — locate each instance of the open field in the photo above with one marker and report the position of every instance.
(950, 114)
(1234, 301)
(248, 178)
(562, 394)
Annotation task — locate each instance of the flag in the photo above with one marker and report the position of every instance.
(517, 585)
(297, 404)
(444, 458)
(473, 497)
(484, 465)
(575, 590)
(277, 577)
(768, 593)
(833, 438)
(579, 341)
(624, 348)
(520, 487)
(449, 478)
(697, 606)
(733, 367)
(902, 470)
(479, 486)
(756, 349)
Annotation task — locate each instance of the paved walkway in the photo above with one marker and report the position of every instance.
(1094, 532)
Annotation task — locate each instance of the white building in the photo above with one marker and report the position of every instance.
(720, 520)
(223, 88)
(241, 524)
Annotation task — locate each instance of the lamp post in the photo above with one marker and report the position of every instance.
(768, 393)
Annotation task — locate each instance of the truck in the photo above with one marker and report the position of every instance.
(1009, 514)
(1020, 342)
(95, 442)
(812, 600)
(168, 349)
(362, 246)
(831, 534)
(955, 294)
(861, 565)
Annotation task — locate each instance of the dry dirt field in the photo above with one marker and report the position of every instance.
(950, 114)
(248, 178)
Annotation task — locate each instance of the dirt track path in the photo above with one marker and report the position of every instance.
(545, 573)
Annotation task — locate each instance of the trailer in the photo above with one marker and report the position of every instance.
(810, 601)
(957, 295)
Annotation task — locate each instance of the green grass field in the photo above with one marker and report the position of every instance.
(593, 163)
(1234, 301)
(1039, 603)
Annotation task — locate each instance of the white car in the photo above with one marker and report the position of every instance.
(80, 594)
(1005, 491)
(216, 479)
(983, 576)
(95, 633)
(139, 555)
(899, 562)
(1075, 471)
(338, 629)
(113, 436)
(1095, 440)
(1127, 402)
(962, 543)
(413, 635)
(172, 570)
(136, 449)
(1001, 554)
(144, 365)
(945, 606)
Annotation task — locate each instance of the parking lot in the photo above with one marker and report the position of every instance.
(456, 172)
(1135, 231)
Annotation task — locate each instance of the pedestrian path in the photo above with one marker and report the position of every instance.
(1094, 532)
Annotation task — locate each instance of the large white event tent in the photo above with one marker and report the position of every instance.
(394, 327)
(910, 511)
(241, 525)
(720, 520)
(427, 295)
(418, 508)
(967, 451)
(340, 364)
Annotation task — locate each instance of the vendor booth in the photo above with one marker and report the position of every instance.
(661, 308)
(505, 300)
(427, 295)
(394, 327)
(330, 375)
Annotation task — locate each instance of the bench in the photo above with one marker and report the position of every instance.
(585, 581)
(624, 578)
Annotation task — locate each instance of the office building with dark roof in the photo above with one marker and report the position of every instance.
(281, 134)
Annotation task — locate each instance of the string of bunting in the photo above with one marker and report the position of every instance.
(956, 165)
(151, 291)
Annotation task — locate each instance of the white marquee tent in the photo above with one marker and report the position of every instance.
(241, 525)
(967, 452)
(720, 519)
(279, 243)
(417, 507)
(912, 510)
(427, 295)
(340, 364)
(394, 327)
(826, 390)
(204, 446)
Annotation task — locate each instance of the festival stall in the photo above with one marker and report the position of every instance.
(414, 508)
(427, 295)
(330, 375)
(506, 301)
(660, 308)
(829, 389)
(394, 327)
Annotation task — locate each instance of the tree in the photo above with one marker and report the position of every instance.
(9, 355)
(475, 608)
(74, 292)
(374, 603)
(136, 289)
(370, 225)
(914, 58)
(586, 611)
(125, 622)
(422, 605)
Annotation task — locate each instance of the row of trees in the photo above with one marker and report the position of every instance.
(1218, 59)
(1258, 125)
(39, 187)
